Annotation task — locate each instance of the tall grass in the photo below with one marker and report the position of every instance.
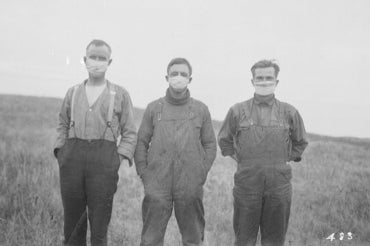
(331, 188)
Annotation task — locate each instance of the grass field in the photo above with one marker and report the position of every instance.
(331, 187)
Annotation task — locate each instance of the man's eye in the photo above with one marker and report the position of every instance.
(184, 74)
(174, 74)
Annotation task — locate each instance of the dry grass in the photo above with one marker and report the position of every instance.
(331, 187)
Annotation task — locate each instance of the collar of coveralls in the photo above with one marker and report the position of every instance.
(268, 99)
(177, 101)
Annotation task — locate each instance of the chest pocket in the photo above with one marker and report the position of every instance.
(243, 132)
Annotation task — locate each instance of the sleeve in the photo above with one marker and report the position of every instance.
(298, 137)
(63, 123)
(128, 133)
(144, 138)
(227, 133)
(208, 140)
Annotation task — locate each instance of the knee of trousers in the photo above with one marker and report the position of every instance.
(157, 200)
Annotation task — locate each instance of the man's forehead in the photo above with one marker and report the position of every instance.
(100, 50)
(179, 68)
(265, 71)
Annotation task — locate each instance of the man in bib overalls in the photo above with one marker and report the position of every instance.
(92, 117)
(176, 148)
(262, 134)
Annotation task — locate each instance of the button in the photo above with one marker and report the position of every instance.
(90, 109)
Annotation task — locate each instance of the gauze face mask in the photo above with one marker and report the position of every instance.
(96, 67)
(264, 88)
(178, 83)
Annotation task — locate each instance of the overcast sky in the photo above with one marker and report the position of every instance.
(323, 48)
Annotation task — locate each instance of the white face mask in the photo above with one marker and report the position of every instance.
(96, 67)
(264, 88)
(178, 83)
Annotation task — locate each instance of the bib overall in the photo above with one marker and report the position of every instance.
(174, 177)
(262, 191)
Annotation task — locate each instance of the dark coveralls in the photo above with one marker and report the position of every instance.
(88, 168)
(262, 134)
(176, 148)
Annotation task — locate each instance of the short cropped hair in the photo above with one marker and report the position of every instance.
(179, 60)
(265, 64)
(98, 42)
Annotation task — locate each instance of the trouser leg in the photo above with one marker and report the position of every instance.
(71, 165)
(156, 212)
(275, 216)
(101, 184)
(189, 212)
(247, 214)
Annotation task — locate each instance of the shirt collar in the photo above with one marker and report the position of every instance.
(269, 99)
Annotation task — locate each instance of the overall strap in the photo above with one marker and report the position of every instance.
(112, 95)
(72, 121)
(247, 113)
(281, 117)
(158, 113)
(191, 113)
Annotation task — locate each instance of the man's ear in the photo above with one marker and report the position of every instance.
(252, 81)
(110, 61)
(190, 79)
(85, 59)
(277, 81)
(166, 77)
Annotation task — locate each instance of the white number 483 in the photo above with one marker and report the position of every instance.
(331, 237)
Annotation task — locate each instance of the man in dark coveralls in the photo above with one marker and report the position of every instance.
(262, 134)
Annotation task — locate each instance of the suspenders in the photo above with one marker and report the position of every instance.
(112, 95)
(72, 123)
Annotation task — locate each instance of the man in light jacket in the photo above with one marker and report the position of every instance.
(94, 114)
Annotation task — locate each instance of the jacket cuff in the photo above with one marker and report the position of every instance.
(295, 158)
(55, 151)
(227, 152)
(125, 157)
(140, 167)
(126, 153)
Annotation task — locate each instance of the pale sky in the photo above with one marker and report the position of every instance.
(323, 48)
